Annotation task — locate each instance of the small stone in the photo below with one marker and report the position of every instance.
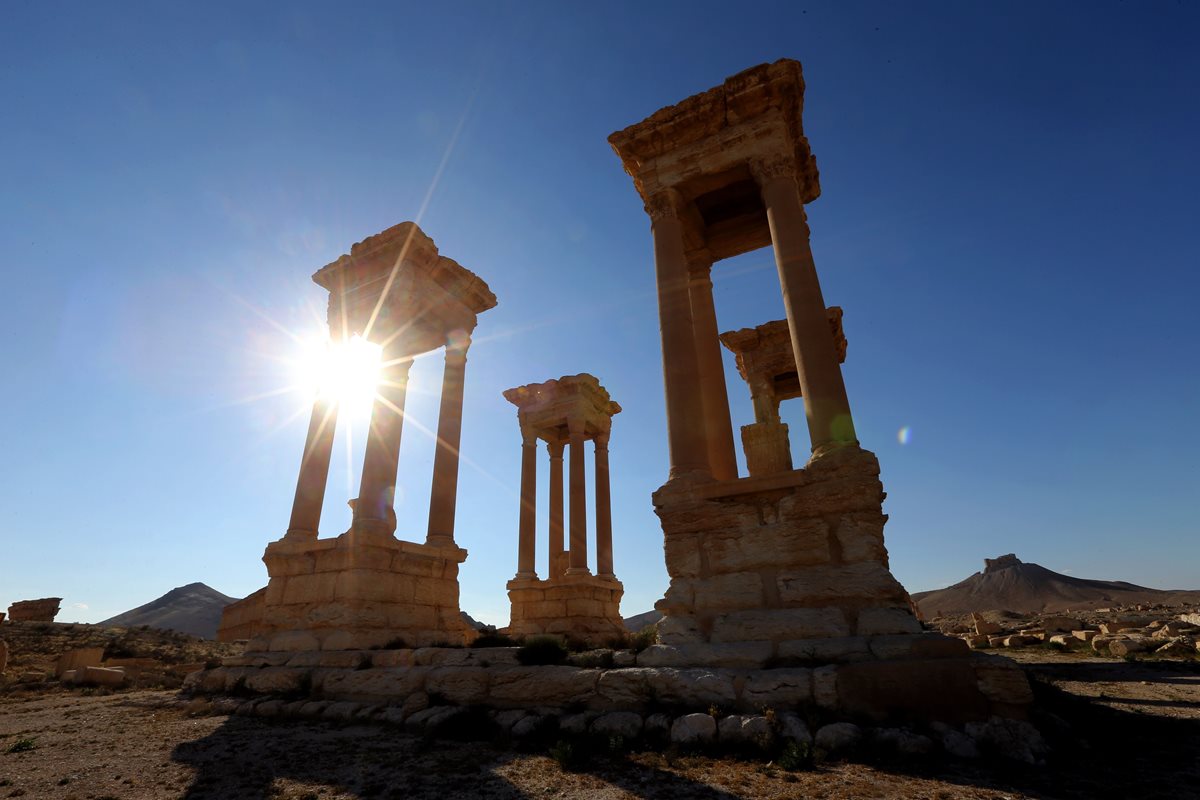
(694, 729)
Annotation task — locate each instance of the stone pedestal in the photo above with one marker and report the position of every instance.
(584, 607)
(343, 594)
(767, 448)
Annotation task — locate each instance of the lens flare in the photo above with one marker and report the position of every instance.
(344, 371)
(904, 434)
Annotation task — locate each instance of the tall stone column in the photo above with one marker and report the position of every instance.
(377, 489)
(825, 403)
(714, 395)
(527, 543)
(558, 564)
(314, 470)
(681, 371)
(445, 461)
(578, 556)
(604, 554)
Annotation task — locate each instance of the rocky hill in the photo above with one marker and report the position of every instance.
(194, 609)
(1009, 584)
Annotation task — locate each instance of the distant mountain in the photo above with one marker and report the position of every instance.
(474, 623)
(194, 609)
(639, 621)
(1009, 584)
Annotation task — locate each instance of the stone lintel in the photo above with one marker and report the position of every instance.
(547, 408)
(764, 353)
(430, 298)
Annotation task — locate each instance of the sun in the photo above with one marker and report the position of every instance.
(346, 372)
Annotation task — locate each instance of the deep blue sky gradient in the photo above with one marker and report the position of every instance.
(1009, 219)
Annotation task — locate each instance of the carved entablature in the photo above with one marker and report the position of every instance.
(548, 410)
(394, 287)
(715, 149)
(765, 357)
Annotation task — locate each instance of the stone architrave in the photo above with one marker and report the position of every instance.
(787, 564)
(367, 588)
(571, 601)
(766, 362)
(42, 610)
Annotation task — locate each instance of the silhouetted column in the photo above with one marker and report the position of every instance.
(527, 545)
(578, 555)
(681, 372)
(825, 403)
(714, 395)
(604, 554)
(558, 565)
(444, 494)
(314, 470)
(377, 489)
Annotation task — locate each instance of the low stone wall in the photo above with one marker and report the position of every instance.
(917, 688)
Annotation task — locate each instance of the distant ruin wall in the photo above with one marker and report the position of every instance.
(243, 619)
(43, 610)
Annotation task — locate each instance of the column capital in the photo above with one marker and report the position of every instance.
(601, 441)
(768, 169)
(457, 344)
(555, 449)
(528, 436)
(665, 204)
(575, 426)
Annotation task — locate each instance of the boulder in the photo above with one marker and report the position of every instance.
(1123, 647)
(902, 741)
(657, 727)
(1010, 738)
(619, 723)
(693, 729)
(838, 737)
(793, 728)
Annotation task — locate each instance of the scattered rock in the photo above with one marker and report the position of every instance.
(693, 729)
(1010, 738)
(838, 737)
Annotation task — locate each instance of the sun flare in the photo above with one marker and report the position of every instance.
(347, 372)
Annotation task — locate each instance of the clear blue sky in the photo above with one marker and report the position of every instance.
(1009, 219)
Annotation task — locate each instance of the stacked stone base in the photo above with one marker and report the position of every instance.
(586, 608)
(358, 591)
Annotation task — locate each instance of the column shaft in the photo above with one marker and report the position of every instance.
(713, 392)
(444, 493)
(578, 557)
(558, 565)
(681, 371)
(314, 470)
(604, 554)
(825, 403)
(527, 545)
(377, 489)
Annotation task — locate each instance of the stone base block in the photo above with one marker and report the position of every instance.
(354, 592)
(583, 607)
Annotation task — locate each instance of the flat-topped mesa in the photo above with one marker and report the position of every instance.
(571, 602)
(767, 363)
(787, 566)
(366, 588)
(1000, 562)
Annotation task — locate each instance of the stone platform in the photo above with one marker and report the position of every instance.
(359, 591)
(584, 607)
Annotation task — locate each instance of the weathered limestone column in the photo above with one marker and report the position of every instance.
(377, 489)
(681, 371)
(527, 545)
(558, 564)
(578, 556)
(314, 470)
(825, 403)
(444, 494)
(714, 395)
(604, 555)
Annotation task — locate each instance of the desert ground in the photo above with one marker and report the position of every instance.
(1118, 728)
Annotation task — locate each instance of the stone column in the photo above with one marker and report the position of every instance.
(681, 370)
(377, 489)
(527, 545)
(445, 460)
(314, 470)
(578, 557)
(825, 403)
(604, 555)
(714, 395)
(557, 553)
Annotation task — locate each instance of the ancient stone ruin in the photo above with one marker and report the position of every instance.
(43, 610)
(571, 601)
(367, 588)
(780, 593)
